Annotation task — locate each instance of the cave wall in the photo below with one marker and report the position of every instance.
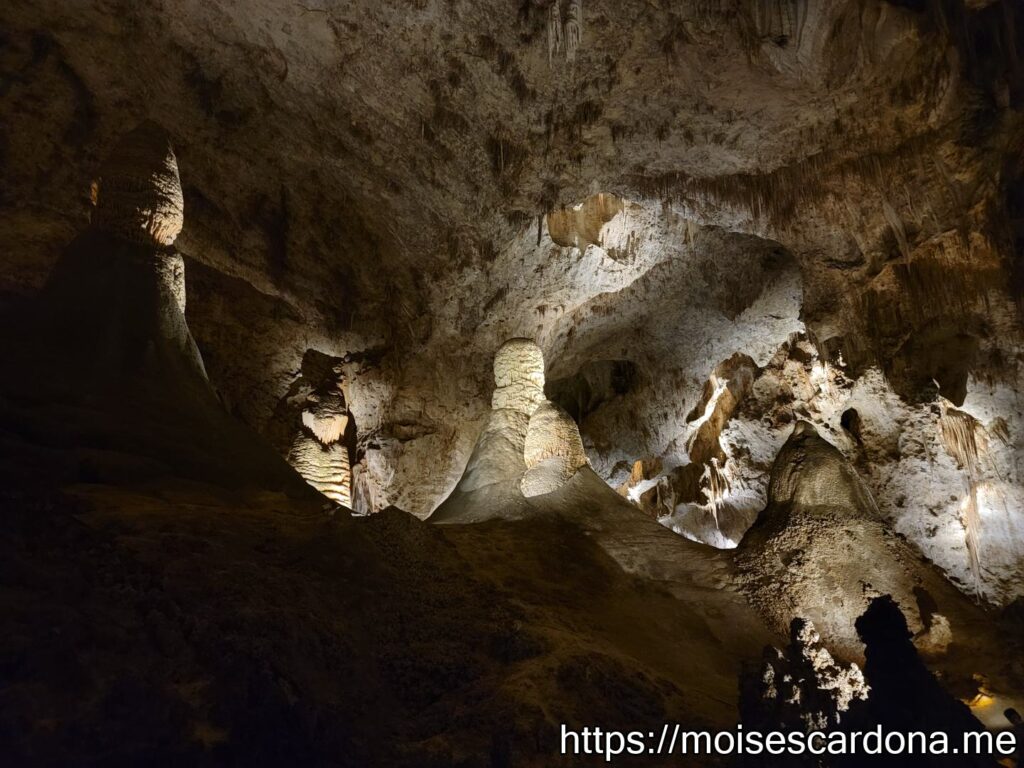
(403, 186)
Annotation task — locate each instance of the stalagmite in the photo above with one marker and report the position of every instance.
(317, 452)
(518, 377)
(138, 214)
(529, 446)
(821, 550)
(138, 194)
(553, 450)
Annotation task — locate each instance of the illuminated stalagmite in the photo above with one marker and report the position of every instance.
(529, 445)
(113, 312)
(138, 193)
(553, 450)
(318, 452)
(128, 250)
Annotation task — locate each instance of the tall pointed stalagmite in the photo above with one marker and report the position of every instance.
(109, 359)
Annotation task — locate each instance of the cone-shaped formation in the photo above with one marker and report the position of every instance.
(529, 446)
(553, 450)
(820, 550)
(116, 297)
(113, 313)
(138, 195)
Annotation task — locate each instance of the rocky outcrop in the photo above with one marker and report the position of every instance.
(801, 687)
(820, 550)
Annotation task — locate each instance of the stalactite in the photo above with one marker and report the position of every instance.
(554, 31)
(971, 520)
(362, 492)
(896, 225)
(964, 439)
(573, 29)
(716, 485)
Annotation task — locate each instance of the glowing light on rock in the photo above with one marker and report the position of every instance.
(821, 375)
(138, 196)
(318, 453)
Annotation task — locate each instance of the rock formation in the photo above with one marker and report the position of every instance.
(771, 250)
(318, 452)
(800, 688)
(553, 450)
(820, 550)
(573, 29)
(138, 193)
(886, 237)
(905, 696)
(119, 290)
(113, 312)
(528, 447)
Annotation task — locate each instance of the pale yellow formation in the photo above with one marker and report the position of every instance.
(518, 376)
(326, 417)
(553, 450)
(325, 467)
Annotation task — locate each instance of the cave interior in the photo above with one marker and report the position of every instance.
(401, 382)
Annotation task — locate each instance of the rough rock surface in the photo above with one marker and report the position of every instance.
(800, 688)
(847, 170)
(820, 550)
(553, 450)
(518, 377)
(138, 193)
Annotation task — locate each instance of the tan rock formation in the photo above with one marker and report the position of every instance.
(553, 450)
(138, 194)
(326, 467)
(821, 550)
(518, 377)
(801, 687)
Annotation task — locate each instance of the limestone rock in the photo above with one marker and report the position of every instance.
(326, 416)
(553, 450)
(801, 687)
(138, 194)
(820, 550)
(326, 467)
(518, 376)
